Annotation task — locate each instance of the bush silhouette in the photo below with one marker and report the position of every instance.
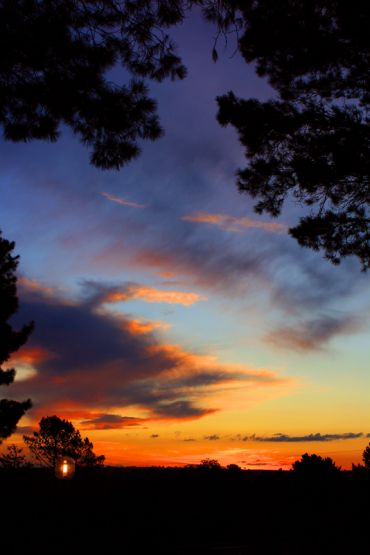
(315, 465)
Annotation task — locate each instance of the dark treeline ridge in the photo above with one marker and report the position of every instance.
(184, 511)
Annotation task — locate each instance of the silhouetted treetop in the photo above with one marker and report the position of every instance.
(209, 464)
(54, 57)
(13, 458)
(10, 339)
(234, 468)
(312, 141)
(366, 457)
(57, 438)
(312, 465)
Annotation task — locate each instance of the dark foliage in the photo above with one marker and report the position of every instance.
(176, 511)
(311, 142)
(11, 340)
(366, 457)
(54, 58)
(13, 458)
(209, 464)
(58, 437)
(315, 465)
(234, 468)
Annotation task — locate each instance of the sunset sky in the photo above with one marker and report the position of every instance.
(172, 322)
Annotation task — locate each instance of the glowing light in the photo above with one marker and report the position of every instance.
(65, 468)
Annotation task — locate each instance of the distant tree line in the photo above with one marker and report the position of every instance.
(58, 437)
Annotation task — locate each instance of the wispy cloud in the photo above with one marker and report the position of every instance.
(122, 201)
(284, 438)
(100, 293)
(313, 334)
(110, 422)
(153, 295)
(233, 223)
(147, 326)
(30, 355)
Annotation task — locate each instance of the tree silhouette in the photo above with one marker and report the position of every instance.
(234, 468)
(11, 340)
(366, 457)
(58, 437)
(61, 78)
(209, 464)
(315, 465)
(13, 458)
(311, 142)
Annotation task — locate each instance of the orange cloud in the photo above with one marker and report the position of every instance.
(32, 285)
(108, 421)
(122, 201)
(187, 360)
(232, 223)
(167, 275)
(34, 288)
(86, 419)
(139, 326)
(31, 356)
(205, 379)
(203, 267)
(153, 295)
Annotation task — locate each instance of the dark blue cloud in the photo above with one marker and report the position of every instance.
(284, 438)
(94, 359)
(110, 421)
(85, 340)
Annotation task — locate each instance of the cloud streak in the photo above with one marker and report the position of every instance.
(314, 333)
(99, 293)
(317, 437)
(233, 223)
(110, 422)
(147, 326)
(121, 201)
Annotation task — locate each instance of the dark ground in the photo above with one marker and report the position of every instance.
(182, 512)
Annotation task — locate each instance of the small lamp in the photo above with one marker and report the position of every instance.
(65, 468)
